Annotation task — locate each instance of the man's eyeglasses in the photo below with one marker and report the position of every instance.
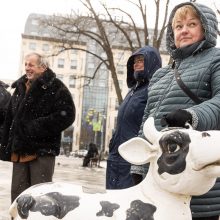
(140, 60)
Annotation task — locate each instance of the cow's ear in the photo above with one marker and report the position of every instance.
(137, 151)
(150, 131)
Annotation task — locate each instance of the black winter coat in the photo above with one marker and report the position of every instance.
(35, 120)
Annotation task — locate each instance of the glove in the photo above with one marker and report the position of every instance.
(177, 118)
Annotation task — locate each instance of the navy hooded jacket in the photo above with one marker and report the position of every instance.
(132, 108)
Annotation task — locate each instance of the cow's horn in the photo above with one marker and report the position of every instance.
(150, 132)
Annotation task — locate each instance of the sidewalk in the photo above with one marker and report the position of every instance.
(68, 169)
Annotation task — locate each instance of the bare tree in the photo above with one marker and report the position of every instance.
(104, 30)
(218, 14)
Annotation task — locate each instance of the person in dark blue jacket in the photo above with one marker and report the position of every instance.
(140, 68)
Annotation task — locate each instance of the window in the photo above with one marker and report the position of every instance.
(45, 47)
(74, 52)
(120, 55)
(91, 69)
(60, 76)
(120, 82)
(116, 104)
(32, 46)
(73, 64)
(91, 65)
(103, 67)
(60, 63)
(103, 55)
(46, 34)
(72, 81)
(34, 22)
(101, 83)
(120, 69)
(34, 33)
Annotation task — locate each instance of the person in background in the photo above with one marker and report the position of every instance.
(140, 68)
(92, 153)
(41, 107)
(191, 42)
(4, 101)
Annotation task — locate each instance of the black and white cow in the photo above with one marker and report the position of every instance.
(183, 162)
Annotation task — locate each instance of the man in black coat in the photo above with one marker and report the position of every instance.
(4, 101)
(41, 107)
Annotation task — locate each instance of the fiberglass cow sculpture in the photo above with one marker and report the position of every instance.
(177, 156)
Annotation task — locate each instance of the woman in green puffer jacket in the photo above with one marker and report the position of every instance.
(191, 42)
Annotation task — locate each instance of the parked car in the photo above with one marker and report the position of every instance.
(79, 153)
(73, 153)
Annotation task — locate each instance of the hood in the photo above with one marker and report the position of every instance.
(209, 23)
(152, 62)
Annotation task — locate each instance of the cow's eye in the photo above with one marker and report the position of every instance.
(173, 147)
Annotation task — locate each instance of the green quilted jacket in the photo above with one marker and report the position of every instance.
(199, 68)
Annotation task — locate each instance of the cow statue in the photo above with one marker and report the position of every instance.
(183, 162)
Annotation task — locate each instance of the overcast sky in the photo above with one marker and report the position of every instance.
(13, 14)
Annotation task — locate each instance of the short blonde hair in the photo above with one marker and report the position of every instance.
(182, 12)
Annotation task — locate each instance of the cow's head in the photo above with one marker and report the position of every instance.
(181, 160)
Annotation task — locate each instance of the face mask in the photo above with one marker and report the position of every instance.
(139, 75)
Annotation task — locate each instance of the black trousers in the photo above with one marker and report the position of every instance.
(30, 173)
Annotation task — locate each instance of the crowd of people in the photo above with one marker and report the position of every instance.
(33, 117)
